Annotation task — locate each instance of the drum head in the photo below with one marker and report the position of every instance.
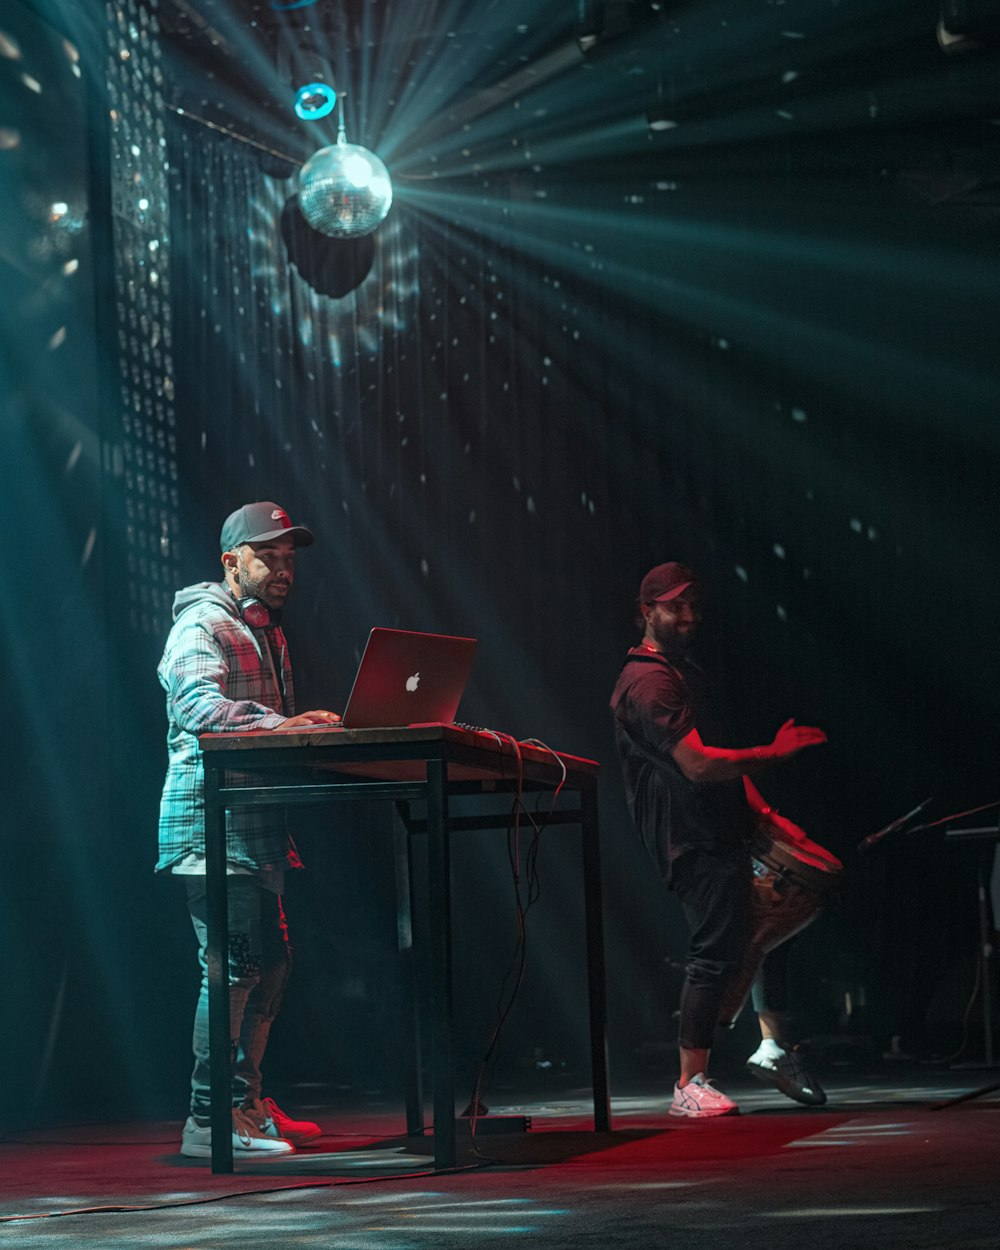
(805, 860)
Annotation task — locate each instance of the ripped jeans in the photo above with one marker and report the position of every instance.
(260, 960)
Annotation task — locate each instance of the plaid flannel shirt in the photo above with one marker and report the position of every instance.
(218, 676)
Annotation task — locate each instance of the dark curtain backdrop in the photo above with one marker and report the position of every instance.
(783, 381)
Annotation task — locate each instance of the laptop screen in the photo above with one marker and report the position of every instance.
(407, 678)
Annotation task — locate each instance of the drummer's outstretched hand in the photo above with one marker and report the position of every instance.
(791, 739)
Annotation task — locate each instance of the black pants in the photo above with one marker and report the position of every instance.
(715, 891)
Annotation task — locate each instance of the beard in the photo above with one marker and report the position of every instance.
(672, 641)
(256, 588)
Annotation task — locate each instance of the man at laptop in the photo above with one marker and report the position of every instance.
(225, 667)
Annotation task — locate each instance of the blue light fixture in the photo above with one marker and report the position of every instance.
(315, 100)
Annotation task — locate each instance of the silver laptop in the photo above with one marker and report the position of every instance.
(408, 679)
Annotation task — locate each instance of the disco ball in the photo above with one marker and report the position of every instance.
(344, 191)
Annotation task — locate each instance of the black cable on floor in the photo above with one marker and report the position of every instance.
(242, 1193)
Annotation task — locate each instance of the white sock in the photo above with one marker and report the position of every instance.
(770, 1049)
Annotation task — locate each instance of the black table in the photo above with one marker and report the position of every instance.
(427, 765)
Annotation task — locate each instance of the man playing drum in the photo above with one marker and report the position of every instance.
(695, 816)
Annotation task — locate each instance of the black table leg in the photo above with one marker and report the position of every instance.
(409, 1050)
(439, 899)
(594, 916)
(985, 949)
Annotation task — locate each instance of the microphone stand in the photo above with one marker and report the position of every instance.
(986, 949)
(944, 820)
(894, 826)
(984, 834)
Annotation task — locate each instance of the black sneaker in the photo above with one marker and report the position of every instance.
(788, 1074)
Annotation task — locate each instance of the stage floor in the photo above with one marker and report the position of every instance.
(878, 1166)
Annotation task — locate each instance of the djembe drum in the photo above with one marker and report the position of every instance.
(792, 881)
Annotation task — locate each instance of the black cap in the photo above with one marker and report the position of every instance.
(665, 582)
(259, 523)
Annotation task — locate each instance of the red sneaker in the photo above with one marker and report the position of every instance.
(273, 1122)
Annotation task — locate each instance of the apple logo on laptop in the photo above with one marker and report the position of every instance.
(413, 682)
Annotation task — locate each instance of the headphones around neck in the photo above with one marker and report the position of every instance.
(254, 612)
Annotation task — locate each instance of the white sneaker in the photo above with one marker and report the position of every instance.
(700, 1099)
(196, 1139)
(787, 1073)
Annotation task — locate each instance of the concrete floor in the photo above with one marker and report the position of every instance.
(878, 1166)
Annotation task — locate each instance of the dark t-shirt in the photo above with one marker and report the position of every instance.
(657, 702)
